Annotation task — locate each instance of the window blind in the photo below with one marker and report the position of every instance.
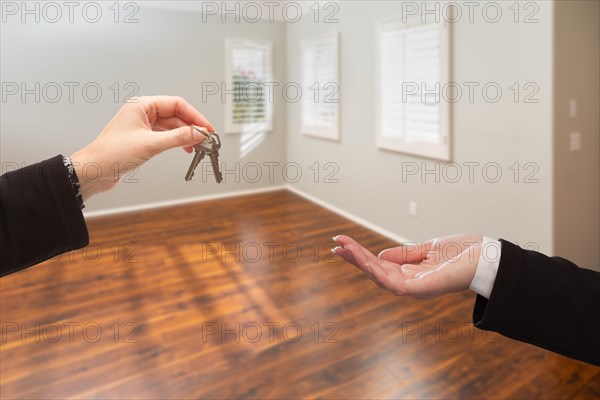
(410, 76)
(320, 86)
(249, 65)
(250, 72)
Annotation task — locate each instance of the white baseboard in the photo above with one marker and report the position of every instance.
(169, 203)
(376, 228)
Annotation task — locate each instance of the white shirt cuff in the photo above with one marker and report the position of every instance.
(487, 267)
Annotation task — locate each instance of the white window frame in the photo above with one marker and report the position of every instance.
(230, 45)
(333, 39)
(439, 151)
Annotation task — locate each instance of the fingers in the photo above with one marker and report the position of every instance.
(165, 124)
(345, 241)
(408, 253)
(168, 123)
(184, 137)
(345, 254)
(173, 106)
(352, 252)
(356, 256)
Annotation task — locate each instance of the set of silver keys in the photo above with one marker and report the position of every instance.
(208, 147)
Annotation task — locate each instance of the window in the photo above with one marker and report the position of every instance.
(320, 86)
(248, 67)
(412, 81)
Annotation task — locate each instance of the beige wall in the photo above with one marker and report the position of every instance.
(577, 173)
(370, 180)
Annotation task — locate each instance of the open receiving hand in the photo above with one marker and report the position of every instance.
(422, 270)
(143, 128)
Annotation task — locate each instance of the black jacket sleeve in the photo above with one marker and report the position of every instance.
(40, 216)
(546, 301)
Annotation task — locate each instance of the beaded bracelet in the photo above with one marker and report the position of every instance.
(73, 179)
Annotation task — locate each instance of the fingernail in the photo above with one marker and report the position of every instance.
(381, 252)
(335, 249)
(335, 238)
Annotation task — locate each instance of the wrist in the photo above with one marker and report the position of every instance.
(92, 175)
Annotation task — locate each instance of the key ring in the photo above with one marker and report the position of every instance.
(213, 137)
(203, 131)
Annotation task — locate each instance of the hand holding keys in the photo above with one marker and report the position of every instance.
(209, 146)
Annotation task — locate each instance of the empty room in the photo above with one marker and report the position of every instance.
(300, 199)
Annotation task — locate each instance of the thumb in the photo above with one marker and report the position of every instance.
(178, 137)
(406, 254)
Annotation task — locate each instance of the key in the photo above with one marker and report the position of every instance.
(214, 156)
(209, 146)
(214, 160)
(200, 153)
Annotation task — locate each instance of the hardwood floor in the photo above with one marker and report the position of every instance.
(240, 298)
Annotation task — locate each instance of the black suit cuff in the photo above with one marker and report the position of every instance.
(492, 314)
(41, 216)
